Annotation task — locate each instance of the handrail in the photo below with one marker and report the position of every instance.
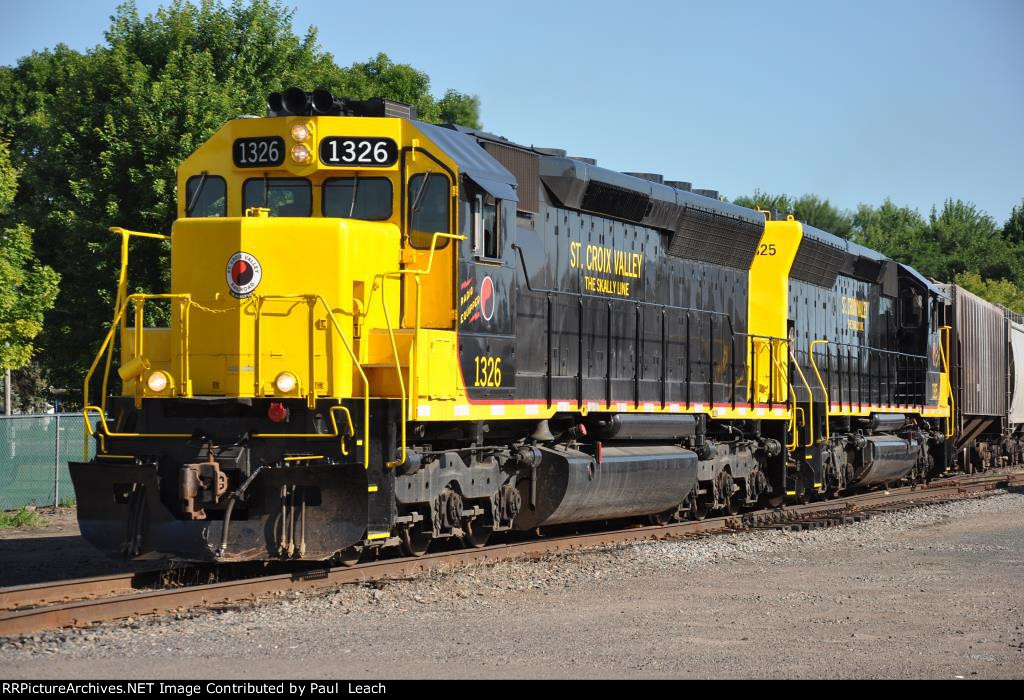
(814, 364)
(810, 398)
(313, 299)
(945, 332)
(792, 400)
(378, 281)
(637, 302)
(122, 285)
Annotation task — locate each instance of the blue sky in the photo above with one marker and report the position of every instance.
(855, 100)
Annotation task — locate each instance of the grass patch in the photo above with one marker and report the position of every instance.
(20, 518)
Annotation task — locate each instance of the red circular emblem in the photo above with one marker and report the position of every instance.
(487, 298)
(243, 274)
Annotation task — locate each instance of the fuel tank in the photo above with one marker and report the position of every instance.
(620, 482)
(886, 458)
(627, 426)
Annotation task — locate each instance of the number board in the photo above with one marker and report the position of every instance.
(358, 151)
(258, 152)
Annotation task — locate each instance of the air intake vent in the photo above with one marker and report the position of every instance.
(713, 194)
(817, 263)
(615, 201)
(715, 238)
(588, 161)
(526, 168)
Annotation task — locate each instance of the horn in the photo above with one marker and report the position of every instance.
(323, 103)
(296, 101)
(275, 104)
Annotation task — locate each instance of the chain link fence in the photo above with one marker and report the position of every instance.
(34, 455)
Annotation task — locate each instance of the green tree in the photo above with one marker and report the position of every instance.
(809, 208)
(99, 135)
(968, 240)
(1013, 230)
(997, 291)
(899, 232)
(27, 289)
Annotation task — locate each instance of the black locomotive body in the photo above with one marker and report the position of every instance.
(470, 335)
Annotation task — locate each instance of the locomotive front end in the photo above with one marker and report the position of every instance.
(244, 427)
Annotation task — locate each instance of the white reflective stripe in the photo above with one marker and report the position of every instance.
(461, 410)
(424, 410)
(648, 407)
(532, 409)
(674, 407)
(497, 410)
(620, 406)
(563, 405)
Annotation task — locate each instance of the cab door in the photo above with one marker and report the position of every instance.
(429, 206)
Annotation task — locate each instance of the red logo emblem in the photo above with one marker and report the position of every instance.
(243, 274)
(487, 298)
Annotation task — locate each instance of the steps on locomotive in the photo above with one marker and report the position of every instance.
(379, 366)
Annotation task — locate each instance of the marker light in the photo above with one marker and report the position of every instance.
(286, 382)
(300, 154)
(300, 132)
(158, 382)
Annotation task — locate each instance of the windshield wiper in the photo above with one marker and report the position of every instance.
(195, 197)
(355, 191)
(419, 193)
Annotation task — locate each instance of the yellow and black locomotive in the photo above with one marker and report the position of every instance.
(385, 332)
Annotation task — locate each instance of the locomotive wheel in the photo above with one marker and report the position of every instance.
(475, 532)
(415, 540)
(699, 508)
(730, 500)
(350, 556)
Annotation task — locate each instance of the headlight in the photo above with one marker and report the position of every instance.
(286, 382)
(300, 154)
(300, 132)
(158, 382)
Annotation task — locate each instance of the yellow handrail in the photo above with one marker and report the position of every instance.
(828, 405)
(810, 398)
(944, 333)
(792, 399)
(119, 321)
(313, 299)
(378, 281)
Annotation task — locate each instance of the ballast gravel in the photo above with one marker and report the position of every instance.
(936, 592)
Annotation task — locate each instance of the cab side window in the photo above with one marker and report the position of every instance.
(487, 227)
(429, 200)
(206, 195)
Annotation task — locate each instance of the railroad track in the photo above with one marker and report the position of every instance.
(33, 608)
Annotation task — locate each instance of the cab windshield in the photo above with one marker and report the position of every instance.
(366, 198)
(282, 196)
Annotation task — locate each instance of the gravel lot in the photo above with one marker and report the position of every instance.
(934, 592)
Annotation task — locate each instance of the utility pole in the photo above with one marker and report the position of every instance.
(7, 393)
